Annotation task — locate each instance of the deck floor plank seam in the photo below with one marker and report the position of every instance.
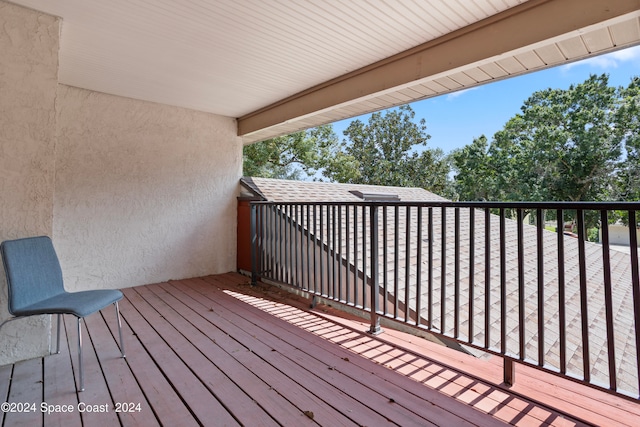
(201, 400)
(96, 392)
(216, 351)
(209, 350)
(337, 393)
(569, 398)
(29, 374)
(123, 387)
(284, 383)
(59, 386)
(496, 409)
(385, 377)
(318, 348)
(531, 383)
(164, 400)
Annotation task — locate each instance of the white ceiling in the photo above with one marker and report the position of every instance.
(235, 57)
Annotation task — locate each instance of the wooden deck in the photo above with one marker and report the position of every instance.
(215, 352)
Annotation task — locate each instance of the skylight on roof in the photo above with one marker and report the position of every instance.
(376, 197)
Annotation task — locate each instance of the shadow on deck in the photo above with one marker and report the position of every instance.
(213, 351)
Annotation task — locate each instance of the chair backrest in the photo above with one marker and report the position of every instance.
(33, 271)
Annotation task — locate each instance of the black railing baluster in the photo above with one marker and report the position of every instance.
(472, 264)
(396, 262)
(334, 251)
(540, 253)
(282, 236)
(316, 242)
(297, 236)
(289, 239)
(322, 245)
(286, 229)
(407, 267)
(419, 266)
(347, 296)
(430, 267)
(279, 261)
(443, 270)
(375, 279)
(584, 310)
(562, 315)
(608, 299)
(503, 284)
(355, 256)
(308, 217)
(635, 284)
(487, 278)
(270, 244)
(263, 232)
(340, 254)
(364, 257)
(456, 274)
(521, 293)
(253, 242)
(385, 260)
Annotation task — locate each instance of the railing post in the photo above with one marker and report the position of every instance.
(375, 281)
(509, 371)
(254, 242)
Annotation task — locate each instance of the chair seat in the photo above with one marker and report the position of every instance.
(80, 304)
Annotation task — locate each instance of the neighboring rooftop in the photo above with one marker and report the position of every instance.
(281, 190)
(625, 346)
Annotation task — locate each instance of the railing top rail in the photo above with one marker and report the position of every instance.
(466, 204)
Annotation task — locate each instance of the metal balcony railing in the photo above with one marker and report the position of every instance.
(511, 279)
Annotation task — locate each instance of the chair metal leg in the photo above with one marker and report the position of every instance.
(80, 354)
(58, 337)
(120, 330)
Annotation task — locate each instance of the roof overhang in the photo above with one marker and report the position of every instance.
(532, 36)
(280, 67)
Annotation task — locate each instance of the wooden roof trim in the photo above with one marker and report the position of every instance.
(501, 33)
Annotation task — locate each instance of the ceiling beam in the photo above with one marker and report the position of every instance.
(524, 25)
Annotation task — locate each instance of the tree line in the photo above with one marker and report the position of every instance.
(575, 144)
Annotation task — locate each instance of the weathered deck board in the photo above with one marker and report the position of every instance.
(123, 386)
(5, 379)
(28, 375)
(369, 347)
(163, 401)
(181, 373)
(564, 395)
(203, 351)
(347, 373)
(213, 351)
(95, 402)
(59, 386)
(365, 406)
(268, 386)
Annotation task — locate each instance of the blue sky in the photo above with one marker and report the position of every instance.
(454, 120)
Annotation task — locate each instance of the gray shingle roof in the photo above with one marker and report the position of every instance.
(625, 347)
(279, 190)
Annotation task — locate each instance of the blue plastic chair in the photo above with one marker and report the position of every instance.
(34, 282)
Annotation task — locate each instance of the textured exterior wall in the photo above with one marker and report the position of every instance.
(144, 192)
(131, 192)
(28, 82)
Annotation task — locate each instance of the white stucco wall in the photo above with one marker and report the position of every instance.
(28, 81)
(131, 192)
(144, 192)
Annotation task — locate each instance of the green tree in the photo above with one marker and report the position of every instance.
(627, 125)
(474, 173)
(291, 156)
(389, 150)
(562, 146)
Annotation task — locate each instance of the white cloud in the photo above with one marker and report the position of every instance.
(454, 95)
(609, 60)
